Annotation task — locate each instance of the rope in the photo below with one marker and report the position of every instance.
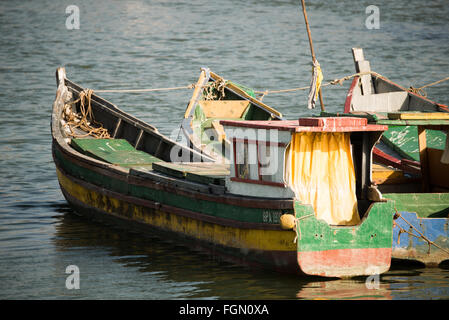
(340, 81)
(85, 119)
(422, 236)
(215, 90)
(297, 227)
(434, 83)
(421, 91)
(333, 82)
(190, 86)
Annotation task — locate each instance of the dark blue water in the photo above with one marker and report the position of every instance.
(153, 44)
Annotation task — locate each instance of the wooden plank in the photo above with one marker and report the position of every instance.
(358, 54)
(139, 139)
(418, 115)
(333, 122)
(115, 151)
(404, 140)
(219, 130)
(196, 93)
(366, 79)
(232, 109)
(439, 172)
(182, 170)
(362, 65)
(423, 158)
(382, 174)
(381, 102)
(206, 179)
(117, 127)
(170, 170)
(82, 144)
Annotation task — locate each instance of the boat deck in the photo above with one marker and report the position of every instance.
(196, 175)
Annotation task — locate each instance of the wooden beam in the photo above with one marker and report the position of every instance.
(196, 93)
(312, 51)
(423, 158)
(362, 65)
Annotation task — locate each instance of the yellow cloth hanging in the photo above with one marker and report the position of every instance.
(320, 170)
(319, 79)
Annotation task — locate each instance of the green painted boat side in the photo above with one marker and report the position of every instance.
(426, 205)
(374, 231)
(214, 209)
(404, 140)
(116, 151)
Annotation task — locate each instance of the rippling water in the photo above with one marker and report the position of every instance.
(150, 44)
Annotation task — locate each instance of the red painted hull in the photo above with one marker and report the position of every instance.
(347, 262)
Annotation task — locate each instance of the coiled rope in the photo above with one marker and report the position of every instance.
(83, 120)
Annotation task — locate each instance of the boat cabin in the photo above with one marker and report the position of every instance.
(325, 162)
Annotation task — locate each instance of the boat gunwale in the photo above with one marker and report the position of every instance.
(122, 174)
(355, 82)
(169, 208)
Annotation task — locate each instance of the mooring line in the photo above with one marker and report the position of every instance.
(401, 230)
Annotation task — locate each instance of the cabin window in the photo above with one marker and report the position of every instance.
(254, 163)
(242, 161)
(266, 165)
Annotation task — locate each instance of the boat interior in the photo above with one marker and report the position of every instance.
(216, 99)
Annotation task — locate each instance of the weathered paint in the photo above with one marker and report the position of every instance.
(404, 140)
(345, 262)
(259, 244)
(275, 247)
(413, 246)
(428, 214)
(212, 208)
(342, 251)
(259, 239)
(426, 205)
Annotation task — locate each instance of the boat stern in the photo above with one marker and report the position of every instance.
(344, 251)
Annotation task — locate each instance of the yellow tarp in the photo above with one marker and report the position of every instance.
(320, 170)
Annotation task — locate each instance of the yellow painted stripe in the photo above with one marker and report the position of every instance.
(245, 239)
(419, 115)
(384, 175)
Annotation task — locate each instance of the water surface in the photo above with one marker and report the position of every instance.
(153, 44)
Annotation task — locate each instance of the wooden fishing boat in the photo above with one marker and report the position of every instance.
(216, 99)
(416, 149)
(112, 166)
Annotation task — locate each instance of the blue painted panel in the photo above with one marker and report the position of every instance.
(415, 247)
